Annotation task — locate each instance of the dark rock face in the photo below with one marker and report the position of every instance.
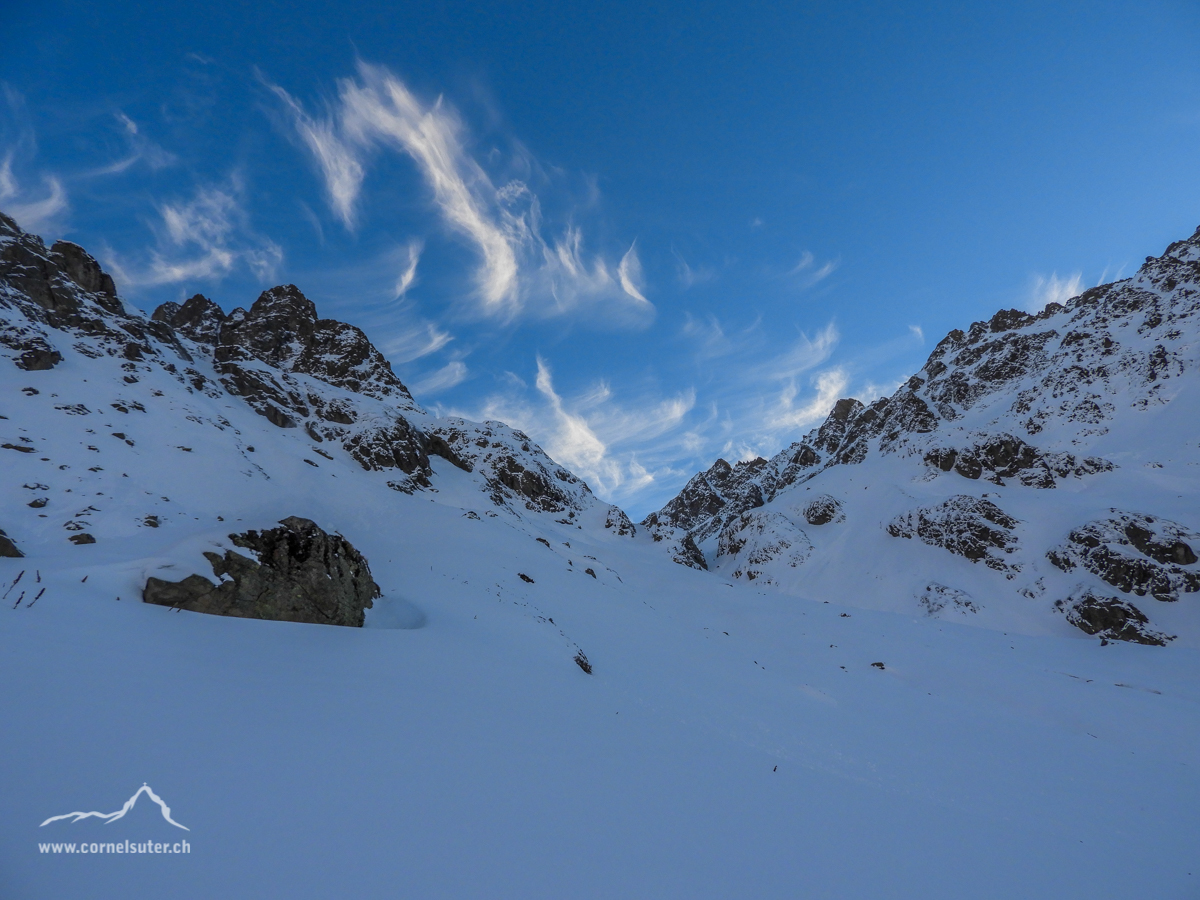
(823, 510)
(1110, 618)
(8, 548)
(282, 330)
(302, 575)
(199, 319)
(64, 289)
(1003, 456)
(970, 527)
(1135, 553)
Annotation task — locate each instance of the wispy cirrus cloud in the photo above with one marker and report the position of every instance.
(453, 373)
(141, 149)
(34, 210)
(408, 272)
(807, 273)
(1053, 289)
(520, 269)
(39, 207)
(203, 238)
(617, 447)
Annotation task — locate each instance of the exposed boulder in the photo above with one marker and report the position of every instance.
(1135, 553)
(8, 548)
(971, 527)
(300, 574)
(824, 509)
(935, 597)
(1110, 618)
(758, 538)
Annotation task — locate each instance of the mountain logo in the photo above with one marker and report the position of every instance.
(113, 816)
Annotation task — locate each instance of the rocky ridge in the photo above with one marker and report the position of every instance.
(1020, 402)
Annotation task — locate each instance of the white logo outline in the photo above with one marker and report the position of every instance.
(113, 816)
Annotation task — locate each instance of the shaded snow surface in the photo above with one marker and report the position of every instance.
(731, 741)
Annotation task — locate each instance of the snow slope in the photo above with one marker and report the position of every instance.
(731, 740)
(1009, 472)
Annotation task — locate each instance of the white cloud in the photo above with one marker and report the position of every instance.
(806, 353)
(618, 449)
(408, 275)
(519, 269)
(689, 276)
(415, 342)
(203, 238)
(630, 273)
(141, 149)
(1053, 289)
(454, 372)
(787, 414)
(917, 332)
(35, 214)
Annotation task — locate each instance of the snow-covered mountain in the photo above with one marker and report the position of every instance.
(1036, 465)
(541, 703)
(132, 422)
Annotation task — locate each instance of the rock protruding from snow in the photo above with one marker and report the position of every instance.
(936, 597)
(301, 574)
(1110, 618)
(823, 509)
(8, 547)
(1001, 456)
(761, 543)
(618, 522)
(1135, 553)
(971, 527)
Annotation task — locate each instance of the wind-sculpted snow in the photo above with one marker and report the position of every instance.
(1094, 395)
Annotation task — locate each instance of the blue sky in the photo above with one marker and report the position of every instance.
(648, 234)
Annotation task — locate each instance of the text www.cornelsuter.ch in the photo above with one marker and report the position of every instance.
(126, 846)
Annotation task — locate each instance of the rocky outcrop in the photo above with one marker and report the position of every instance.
(295, 573)
(198, 319)
(935, 597)
(618, 522)
(1135, 553)
(823, 509)
(62, 292)
(1003, 456)
(970, 527)
(8, 548)
(1110, 618)
(515, 469)
(758, 538)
